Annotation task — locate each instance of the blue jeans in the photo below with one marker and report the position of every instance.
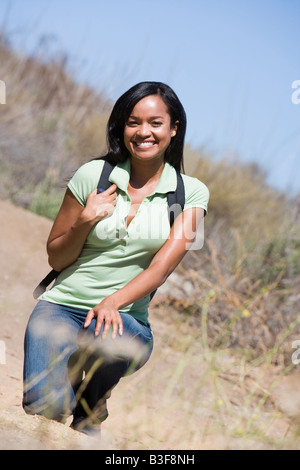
(67, 370)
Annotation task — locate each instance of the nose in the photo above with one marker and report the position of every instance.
(143, 130)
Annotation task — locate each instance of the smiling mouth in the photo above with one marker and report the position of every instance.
(145, 145)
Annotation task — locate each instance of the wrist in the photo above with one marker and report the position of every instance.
(86, 218)
(111, 301)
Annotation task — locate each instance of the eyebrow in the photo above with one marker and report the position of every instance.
(152, 117)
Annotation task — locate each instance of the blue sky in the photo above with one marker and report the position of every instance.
(231, 62)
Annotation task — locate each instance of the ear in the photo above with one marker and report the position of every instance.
(174, 129)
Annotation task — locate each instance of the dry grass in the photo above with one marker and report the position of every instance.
(252, 299)
(48, 126)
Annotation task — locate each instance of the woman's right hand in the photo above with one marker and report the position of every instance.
(99, 206)
(73, 223)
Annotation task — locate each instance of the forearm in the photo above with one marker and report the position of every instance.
(164, 262)
(139, 287)
(65, 249)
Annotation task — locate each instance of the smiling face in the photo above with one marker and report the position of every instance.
(148, 130)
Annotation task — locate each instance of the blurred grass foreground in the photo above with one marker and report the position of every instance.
(242, 290)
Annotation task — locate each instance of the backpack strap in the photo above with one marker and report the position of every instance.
(40, 289)
(176, 201)
(104, 182)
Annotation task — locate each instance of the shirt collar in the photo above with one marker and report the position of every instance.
(167, 181)
(120, 175)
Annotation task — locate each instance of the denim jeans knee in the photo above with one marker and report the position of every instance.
(54, 337)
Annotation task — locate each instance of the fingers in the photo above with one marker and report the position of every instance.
(120, 326)
(101, 205)
(111, 189)
(108, 191)
(110, 319)
(105, 330)
(89, 318)
(114, 329)
(117, 326)
(109, 197)
(115, 322)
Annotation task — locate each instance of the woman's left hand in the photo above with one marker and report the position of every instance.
(105, 312)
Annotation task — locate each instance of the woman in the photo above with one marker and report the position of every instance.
(112, 250)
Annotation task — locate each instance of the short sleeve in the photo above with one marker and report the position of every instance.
(85, 180)
(196, 193)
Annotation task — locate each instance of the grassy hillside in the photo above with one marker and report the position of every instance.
(48, 127)
(246, 279)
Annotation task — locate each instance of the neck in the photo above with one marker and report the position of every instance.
(144, 172)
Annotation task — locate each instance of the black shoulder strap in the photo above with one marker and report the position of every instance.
(104, 182)
(40, 289)
(176, 201)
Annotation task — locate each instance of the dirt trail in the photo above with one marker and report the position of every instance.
(170, 404)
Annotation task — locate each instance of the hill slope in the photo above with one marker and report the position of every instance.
(184, 398)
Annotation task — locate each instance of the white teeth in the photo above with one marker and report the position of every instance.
(145, 144)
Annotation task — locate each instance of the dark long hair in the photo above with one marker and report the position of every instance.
(117, 152)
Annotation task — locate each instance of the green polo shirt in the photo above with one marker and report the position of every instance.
(113, 254)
